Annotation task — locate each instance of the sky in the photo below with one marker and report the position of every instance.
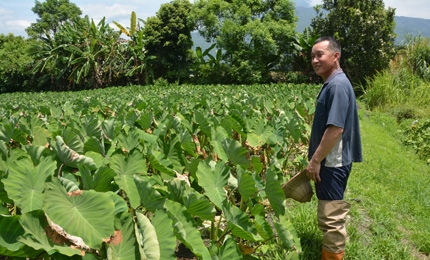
(16, 15)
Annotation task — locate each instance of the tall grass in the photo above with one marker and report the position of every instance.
(404, 85)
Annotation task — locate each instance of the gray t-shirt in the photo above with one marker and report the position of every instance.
(336, 105)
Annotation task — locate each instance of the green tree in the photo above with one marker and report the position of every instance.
(15, 63)
(52, 14)
(168, 38)
(365, 30)
(256, 36)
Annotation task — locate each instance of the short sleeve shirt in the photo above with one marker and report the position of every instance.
(336, 105)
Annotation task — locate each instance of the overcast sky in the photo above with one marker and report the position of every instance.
(16, 15)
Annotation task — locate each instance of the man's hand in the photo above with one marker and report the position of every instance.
(331, 136)
(313, 171)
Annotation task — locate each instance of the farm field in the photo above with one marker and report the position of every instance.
(133, 171)
(176, 172)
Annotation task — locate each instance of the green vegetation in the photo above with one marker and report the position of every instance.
(389, 196)
(154, 169)
(168, 38)
(404, 85)
(365, 30)
(256, 36)
(133, 171)
(255, 42)
(52, 14)
(402, 91)
(15, 64)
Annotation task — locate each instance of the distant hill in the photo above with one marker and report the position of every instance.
(404, 25)
(305, 13)
(411, 26)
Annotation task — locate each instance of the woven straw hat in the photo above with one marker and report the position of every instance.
(298, 187)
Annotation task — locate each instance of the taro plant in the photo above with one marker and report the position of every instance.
(87, 175)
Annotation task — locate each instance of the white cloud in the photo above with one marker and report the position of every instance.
(18, 23)
(416, 8)
(98, 11)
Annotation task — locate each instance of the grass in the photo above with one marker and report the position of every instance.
(390, 198)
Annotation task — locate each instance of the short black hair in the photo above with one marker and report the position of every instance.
(333, 45)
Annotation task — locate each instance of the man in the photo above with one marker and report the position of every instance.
(335, 144)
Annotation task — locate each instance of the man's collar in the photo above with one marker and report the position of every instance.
(333, 74)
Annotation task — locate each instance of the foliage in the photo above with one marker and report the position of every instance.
(417, 135)
(86, 173)
(208, 68)
(302, 60)
(404, 84)
(168, 37)
(137, 66)
(417, 56)
(256, 36)
(364, 29)
(15, 63)
(80, 55)
(52, 14)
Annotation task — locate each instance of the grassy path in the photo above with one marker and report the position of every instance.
(390, 197)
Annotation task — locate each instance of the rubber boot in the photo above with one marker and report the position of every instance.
(331, 221)
(331, 256)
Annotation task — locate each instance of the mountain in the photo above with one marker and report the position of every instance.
(404, 25)
(411, 26)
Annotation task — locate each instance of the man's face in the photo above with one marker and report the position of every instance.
(324, 61)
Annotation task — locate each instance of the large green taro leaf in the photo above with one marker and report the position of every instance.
(229, 249)
(88, 215)
(288, 235)
(198, 205)
(69, 157)
(100, 181)
(129, 141)
(150, 198)
(275, 193)
(25, 182)
(124, 245)
(165, 235)
(125, 169)
(246, 184)
(10, 231)
(259, 134)
(186, 229)
(11, 134)
(239, 223)
(148, 237)
(218, 135)
(236, 154)
(213, 177)
(264, 228)
(40, 236)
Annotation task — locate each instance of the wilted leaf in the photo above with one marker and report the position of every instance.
(89, 216)
(35, 226)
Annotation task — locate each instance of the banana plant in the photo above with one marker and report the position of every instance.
(138, 63)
